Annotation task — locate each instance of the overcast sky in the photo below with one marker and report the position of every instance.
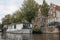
(10, 6)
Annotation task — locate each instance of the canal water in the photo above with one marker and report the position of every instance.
(9, 36)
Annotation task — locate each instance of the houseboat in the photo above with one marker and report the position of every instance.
(19, 28)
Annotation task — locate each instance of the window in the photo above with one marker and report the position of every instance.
(25, 26)
(15, 26)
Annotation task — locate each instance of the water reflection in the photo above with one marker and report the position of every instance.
(8, 36)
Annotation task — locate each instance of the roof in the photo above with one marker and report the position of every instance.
(18, 23)
(58, 8)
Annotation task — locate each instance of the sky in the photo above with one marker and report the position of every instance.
(10, 6)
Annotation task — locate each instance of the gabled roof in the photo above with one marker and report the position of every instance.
(58, 8)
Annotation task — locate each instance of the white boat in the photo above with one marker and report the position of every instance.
(19, 28)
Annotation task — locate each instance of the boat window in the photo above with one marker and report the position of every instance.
(26, 25)
(14, 26)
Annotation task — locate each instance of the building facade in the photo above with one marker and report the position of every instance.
(54, 13)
